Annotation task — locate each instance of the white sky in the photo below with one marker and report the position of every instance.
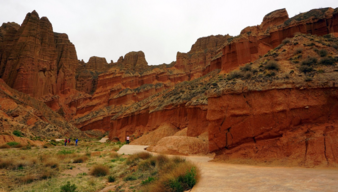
(160, 28)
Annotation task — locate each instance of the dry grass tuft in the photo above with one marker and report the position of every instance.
(29, 178)
(146, 165)
(113, 154)
(99, 170)
(115, 148)
(5, 146)
(132, 159)
(46, 174)
(161, 160)
(80, 159)
(52, 163)
(181, 178)
(144, 155)
(5, 163)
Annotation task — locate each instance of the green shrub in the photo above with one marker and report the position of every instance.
(68, 187)
(309, 61)
(322, 52)
(305, 69)
(272, 65)
(189, 178)
(17, 133)
(147, 181)
(247, 67)
(335, 46)
(328, 36)
(111, 179)
(327, 61)
(270, 74)
(298, 50)
(234, 75)
(247, 75)
(286, 41)
(13, 144)
(130, 178)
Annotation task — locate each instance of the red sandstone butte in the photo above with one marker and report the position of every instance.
(37, 61)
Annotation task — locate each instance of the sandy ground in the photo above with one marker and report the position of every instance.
(219, 177)
(103, 139)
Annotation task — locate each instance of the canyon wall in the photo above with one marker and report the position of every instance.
(254, 42)
(290, 126)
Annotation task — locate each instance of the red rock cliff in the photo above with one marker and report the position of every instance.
(39, 62)
(256, 41)
(290, 126)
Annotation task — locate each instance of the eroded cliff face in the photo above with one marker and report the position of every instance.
(256, 41)
(286, 126)
(200, 55)
(283, 116)
(183, 106)
(87, 73)
(37, 61)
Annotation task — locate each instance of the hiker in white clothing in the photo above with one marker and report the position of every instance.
(127, 139)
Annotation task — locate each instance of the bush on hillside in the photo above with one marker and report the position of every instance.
(272, 65)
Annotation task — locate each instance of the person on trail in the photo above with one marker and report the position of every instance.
(69, 141)
(127, 139)
(76, 142)
(66, 142)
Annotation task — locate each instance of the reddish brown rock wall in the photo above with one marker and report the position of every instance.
(274, 125)
(181, 117)
(200, 54)
(38, 62)
(255, 41)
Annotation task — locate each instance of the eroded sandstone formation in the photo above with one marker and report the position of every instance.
(37, 61)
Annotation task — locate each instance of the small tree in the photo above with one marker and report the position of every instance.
(17, 133)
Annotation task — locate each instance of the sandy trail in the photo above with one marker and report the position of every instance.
(219, 177)
(103, 139)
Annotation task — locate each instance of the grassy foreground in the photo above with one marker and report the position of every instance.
(91, 166)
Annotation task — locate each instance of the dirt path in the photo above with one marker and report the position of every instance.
(103, 139)
(219, 177)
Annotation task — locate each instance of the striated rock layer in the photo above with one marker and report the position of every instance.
(293, 123)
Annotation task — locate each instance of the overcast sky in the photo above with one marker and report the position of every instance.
(160, 28)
